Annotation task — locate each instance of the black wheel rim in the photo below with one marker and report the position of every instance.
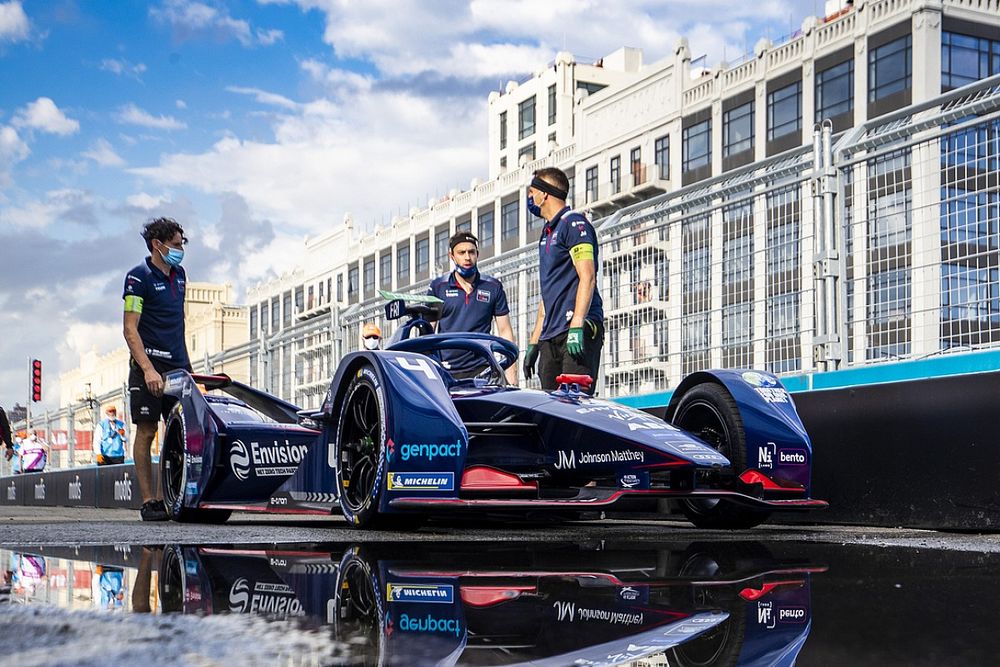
(703, 420)
(173, 474)
(358, 613)
(360, 447)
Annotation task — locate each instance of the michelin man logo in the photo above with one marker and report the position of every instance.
(239, 596)
(239, 460)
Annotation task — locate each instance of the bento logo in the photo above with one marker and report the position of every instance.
(795, 457)
(791, 615)
(239, 460)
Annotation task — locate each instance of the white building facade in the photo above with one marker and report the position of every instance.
(725, 229)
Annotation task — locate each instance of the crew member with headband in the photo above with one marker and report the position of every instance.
(569, 329)
(471, 301)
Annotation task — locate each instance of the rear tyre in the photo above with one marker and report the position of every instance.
(709, 412)
(359, 609)
(173, 481)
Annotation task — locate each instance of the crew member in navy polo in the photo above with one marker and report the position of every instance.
(471, 301)
(153, 325)
(569, 329)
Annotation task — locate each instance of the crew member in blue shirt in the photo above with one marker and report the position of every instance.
(471, 301)
(112, 438)
(569, 329)
(154, 330)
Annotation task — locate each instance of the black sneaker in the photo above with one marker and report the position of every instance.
(153, 510)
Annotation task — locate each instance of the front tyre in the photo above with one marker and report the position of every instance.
(709, 412)
(360, 448)
(174, 478)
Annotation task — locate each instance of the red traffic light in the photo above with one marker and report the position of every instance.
(36, 380)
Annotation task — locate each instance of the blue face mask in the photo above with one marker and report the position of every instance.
(533, 208)
(174, 257)
(466, 272)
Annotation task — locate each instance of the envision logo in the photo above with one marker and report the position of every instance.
(123, 489)
(239, 460)
(239, 596)
(75, 489)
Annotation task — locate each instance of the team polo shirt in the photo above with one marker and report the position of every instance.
(567, 236)
(468, 312)
(159, 300)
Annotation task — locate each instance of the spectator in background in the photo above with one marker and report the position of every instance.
(112, 433)
(6, 440)
(371, 336)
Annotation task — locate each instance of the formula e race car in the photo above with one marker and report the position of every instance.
(399, 437)
(512, 604)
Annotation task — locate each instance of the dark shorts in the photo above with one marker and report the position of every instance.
(553, 360)
(110, 460)
(144, 406)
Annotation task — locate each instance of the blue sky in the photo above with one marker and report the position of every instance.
(258, 123)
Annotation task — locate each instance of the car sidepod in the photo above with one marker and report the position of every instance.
(777, 444)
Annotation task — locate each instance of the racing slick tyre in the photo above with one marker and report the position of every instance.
(361, 455)
(173, 481)
(709, 412)
(171, 579)
(358, 607)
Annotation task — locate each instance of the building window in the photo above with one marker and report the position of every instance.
(423, 248)
(526, 154)
(385, 269)
(369, 277)
(697, 140)
(965, 59)
(253, 322)
(311, 297)
(503, 163)
(286, 309)
(661, 154)
(526, 118)
(485, 224)
(275, 314)
(635, 166)
(737, 130)
(403, 265)
(503, 130)
(616, 174)
(441, 247)
(509, 220)
(590, 86)
(552, 104)
(591, 178)
(263, 318)
(300, 299)
(340, 287)
(835, 91)
(784, 111)
(970, 293)
(464, 226)
(889, 68)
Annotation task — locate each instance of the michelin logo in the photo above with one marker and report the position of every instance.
(441, 593)
(422, 481)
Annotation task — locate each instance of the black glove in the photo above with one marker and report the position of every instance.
(530, 357)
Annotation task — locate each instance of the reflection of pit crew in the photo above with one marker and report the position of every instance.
(471, 301)
(569, 330)
(111, 584)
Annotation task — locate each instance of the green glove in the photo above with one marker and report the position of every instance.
(530, 357)
(574, 343)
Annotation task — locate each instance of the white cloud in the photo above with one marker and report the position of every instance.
(144, 201)
(43, 115)
(264, 97)
(12, 150)
(189, 19)
(180, 104)
(132, 115)
(104, 154)
(42, 213)
(123, 66)
(14, 24)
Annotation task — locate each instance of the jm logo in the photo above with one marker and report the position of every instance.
(765, 456)
(765, 615)
(566, 461)
(565, 611)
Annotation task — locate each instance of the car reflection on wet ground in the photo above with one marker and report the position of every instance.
(580, 603)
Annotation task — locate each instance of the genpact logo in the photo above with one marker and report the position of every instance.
(430, 451)
(239, 596)
(239, 460)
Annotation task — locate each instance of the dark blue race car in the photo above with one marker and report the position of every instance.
(399, 438)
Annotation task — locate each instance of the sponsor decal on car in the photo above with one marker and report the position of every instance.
(629, 481)
(791, 615)
(793, 457)
(426, 452)
(439, 593)
(568, 460)
(765, 456)
(426, 624)
(265, 459)
(758, 379)
(420, 481)
(766, 386)
(628, 594)
(765, 614)
(263, 598)
(568, 612)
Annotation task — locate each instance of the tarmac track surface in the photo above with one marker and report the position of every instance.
(85, 526)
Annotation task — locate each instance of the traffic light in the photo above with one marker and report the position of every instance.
(36, 380)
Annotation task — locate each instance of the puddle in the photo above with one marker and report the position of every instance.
(706, 603)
